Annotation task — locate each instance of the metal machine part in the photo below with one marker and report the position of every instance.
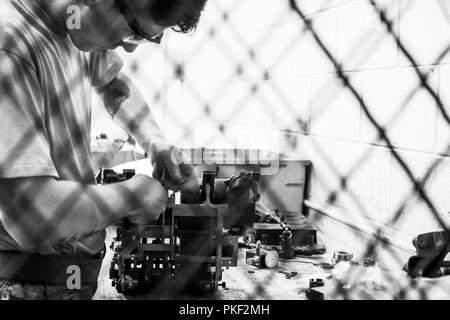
(326, 266)
(315, 290)
(369, 262)
(294, 234)
(339, 256)
(286, 250)
(261, 258)
(313, 283)
(240, 193)
(432, 248)
(186, 249)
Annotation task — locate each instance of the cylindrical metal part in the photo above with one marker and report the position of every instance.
(341, 256)
(271, 259)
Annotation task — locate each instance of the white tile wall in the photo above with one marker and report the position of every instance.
(425, 30)
(402, 190)
(443, 125)
(289, 99)
(409, 118)
(363, 40)
(335, 110)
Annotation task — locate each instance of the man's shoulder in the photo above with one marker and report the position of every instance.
(15, 32)
(21, 30)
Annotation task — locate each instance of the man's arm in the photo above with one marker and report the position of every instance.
(125, 104)
(127, 107)
(42, 211)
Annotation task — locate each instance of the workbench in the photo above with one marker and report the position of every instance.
(246, 282)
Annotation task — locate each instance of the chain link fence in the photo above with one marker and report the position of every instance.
(237, 79)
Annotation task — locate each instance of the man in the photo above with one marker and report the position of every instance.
(52, 215)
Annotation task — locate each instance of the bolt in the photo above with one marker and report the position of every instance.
(422, 242)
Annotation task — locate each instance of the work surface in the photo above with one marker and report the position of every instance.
(242, 282)
(246, 282)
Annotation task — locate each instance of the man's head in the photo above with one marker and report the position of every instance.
(106, 24)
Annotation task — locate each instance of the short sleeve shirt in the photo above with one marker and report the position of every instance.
(45, 104)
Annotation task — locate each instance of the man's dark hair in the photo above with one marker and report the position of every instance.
(181, 15)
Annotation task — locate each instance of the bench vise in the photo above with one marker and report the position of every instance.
(186, 249)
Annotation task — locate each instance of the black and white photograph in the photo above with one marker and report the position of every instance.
(225, 158)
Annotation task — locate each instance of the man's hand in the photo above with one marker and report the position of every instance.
(152, 199)
(171, 167)
(131, 112)
(129, 109)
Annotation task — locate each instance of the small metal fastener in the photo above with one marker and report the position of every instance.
(326, 265)
(341, 256)
(314, 283)
(367, 262)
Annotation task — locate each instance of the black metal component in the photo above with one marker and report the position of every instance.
(286, 250)
(304, 235)
(185, 249)
(368, 262)
(239, 192)
(108, 176)
(208, 179)
(311, 247)
(432, 248)
(317, 289)
(306, 189)
(242, 193)
(313, 283)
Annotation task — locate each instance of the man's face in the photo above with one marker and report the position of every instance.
(104, 26)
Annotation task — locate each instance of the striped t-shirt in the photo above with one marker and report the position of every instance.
(45, 104)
